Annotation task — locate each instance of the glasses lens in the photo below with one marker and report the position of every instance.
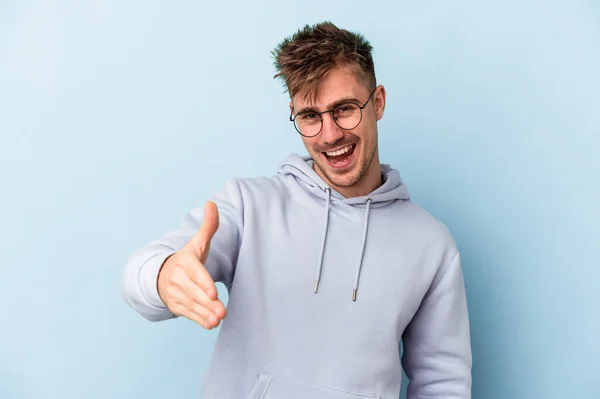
(347, 116)
(308, 124)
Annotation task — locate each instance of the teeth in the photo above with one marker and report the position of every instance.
(339, 152)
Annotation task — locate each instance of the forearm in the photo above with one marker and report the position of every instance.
(139, 282)
(437, 345)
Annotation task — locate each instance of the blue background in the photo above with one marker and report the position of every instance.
(117, 117)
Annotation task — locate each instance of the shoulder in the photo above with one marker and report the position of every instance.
(424, 229)
(261, 185)
(253, 189)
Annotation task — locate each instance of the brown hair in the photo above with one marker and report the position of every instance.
(305, 58)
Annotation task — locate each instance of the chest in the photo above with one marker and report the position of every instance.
(289, 251)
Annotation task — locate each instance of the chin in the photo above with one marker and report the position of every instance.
(344, 181)
(344, 173)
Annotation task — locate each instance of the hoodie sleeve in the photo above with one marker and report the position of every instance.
(140, 275)
(437, 348)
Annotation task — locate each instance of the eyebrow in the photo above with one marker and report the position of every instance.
(330, 106)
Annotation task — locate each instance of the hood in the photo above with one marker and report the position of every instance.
(392, 189)
(302, 168)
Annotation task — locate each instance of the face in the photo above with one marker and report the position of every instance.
(343, 158)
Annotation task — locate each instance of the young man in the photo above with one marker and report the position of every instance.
(328, 264)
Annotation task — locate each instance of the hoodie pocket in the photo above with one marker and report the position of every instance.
(270, 387)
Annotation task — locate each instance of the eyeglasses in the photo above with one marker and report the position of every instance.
(347, 116)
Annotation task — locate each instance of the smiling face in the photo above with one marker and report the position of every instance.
(348, 160)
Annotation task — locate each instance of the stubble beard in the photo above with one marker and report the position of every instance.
(349, 179)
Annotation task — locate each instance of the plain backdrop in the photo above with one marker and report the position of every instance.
(117, 117)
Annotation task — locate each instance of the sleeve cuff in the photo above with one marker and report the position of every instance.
(148, 278)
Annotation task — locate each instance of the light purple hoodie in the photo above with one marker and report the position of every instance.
(388, 274)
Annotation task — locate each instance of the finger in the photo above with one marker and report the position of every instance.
(198, 274)
(205, 313)
(197, 295)
(199, 320)
(219, 310)
(194, 311)
(210, 224)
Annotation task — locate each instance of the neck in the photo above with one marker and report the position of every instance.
(370, 181)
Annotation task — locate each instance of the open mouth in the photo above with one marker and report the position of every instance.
(340, 158)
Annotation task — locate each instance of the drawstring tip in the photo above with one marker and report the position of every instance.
(316, 285)
(354, 295)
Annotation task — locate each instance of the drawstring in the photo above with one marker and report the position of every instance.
(362, 249)
(328, 190)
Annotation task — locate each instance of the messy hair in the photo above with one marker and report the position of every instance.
(305, 58)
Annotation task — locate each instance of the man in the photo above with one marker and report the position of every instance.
(328, 264)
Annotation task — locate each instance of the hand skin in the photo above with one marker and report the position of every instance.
(184, 284)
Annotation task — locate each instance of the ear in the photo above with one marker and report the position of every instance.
(379, 99)
(291, 107)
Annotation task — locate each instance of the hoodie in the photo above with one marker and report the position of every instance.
(329, 297)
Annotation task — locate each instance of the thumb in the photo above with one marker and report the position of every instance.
(210, 224)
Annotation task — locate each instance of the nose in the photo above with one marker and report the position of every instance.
(330, 132)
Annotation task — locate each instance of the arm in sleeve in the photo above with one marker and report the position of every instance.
(140, 275)
(437, 346)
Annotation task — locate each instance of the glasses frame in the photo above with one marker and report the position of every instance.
(360, 107)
